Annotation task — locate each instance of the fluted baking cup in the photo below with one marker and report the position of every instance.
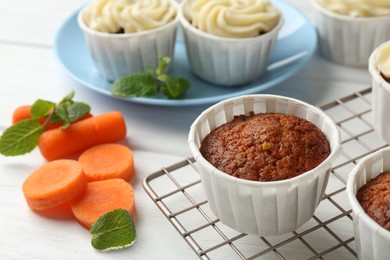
(118, 55)
(372, 241)
(227, 61)
(380, 100)
(349, 40)
(262, 208)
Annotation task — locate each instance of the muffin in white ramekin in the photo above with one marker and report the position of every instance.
(380, 104)
(372, 241)
(227, 61)
(120, 54)
(262, 208)
(347, 39)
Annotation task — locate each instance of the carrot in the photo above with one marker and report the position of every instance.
(102, 197)
(107, 161)
(53, 184)
(23, 112)
(105, 128)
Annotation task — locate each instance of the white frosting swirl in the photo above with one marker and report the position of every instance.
(357, 8)
(382, 59)
(232, 18)
(128, 16)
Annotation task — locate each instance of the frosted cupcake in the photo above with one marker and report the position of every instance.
(127, 36)
(349, 30)
(379, 68)
(372, 239)
(240, 201)
(229, 42)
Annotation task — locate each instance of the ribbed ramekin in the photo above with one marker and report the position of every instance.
(372, 241)
(349, 40)
(380, 100)
(227, 61)
(262, 208)
(118, 55)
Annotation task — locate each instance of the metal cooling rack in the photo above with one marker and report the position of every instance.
(177, 192)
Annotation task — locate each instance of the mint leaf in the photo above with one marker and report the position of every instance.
(77, 110)
(136, 85)
(174, 87)
(113, 230)
(67, 98)
(20, 138)
(162, 64)
(150, 83)
(61, 113)
(41, 108)
(23, 136)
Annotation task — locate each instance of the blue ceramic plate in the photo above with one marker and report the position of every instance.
(295, 45)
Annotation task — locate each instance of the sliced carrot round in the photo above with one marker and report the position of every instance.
(101, 197)
(53, 184)
(107, 161)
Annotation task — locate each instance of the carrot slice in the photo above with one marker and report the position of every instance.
(23, 112)
(53, 184)
(107, 161)
(102, 197)
(105, 128)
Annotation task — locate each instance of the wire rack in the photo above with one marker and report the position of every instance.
(177, 192)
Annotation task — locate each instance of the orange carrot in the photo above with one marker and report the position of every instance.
(23, 112)
(102, 197)
(54, 184)
(105, 128)
(107, 161)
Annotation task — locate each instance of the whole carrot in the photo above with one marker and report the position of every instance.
(24, 112)
(105, 128)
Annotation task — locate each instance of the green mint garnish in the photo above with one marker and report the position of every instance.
(41, 108)
(151, 83)
(136, 85)
(113, 230)
(22, 137)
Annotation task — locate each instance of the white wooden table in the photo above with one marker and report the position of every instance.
(157, 135)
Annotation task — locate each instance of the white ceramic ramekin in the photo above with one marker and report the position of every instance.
(118, 55)
(262, 208)
(380, 101)
(372, 241)
(227, 61)
(349, 40)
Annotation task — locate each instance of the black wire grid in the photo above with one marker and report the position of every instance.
(177, 192)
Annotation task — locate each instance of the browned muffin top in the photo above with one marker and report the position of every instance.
(375, 199)
(266, 147)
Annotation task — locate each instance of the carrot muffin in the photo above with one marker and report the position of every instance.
(127, 36)
(266, 147)
(233, 38)
(382, 60)
(349, 30)
(374, 198)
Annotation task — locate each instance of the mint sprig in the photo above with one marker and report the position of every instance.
(22, 137)
(113, 230)
(151, 83)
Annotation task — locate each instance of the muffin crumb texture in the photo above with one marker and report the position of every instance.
(374, 198)
(266, 147)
